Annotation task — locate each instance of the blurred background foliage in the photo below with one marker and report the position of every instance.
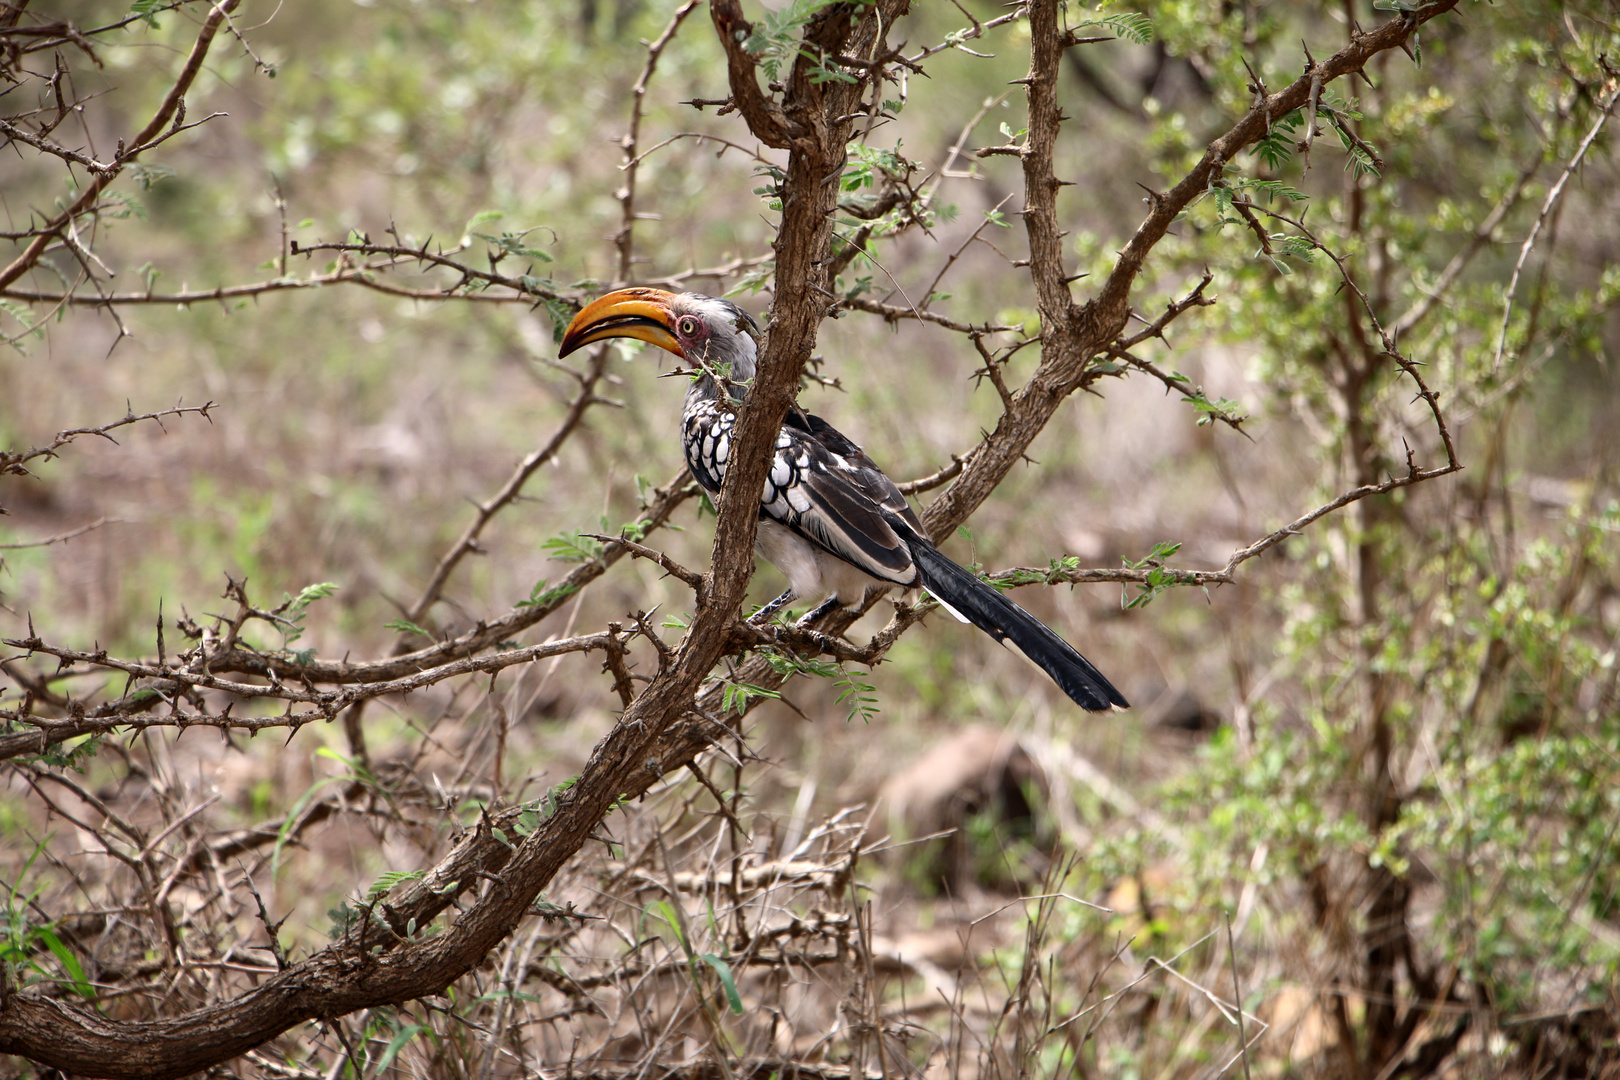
(1386, 757)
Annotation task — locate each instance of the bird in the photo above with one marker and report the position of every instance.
(829, 518)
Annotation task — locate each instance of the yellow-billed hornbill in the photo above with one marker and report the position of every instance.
(829, 519)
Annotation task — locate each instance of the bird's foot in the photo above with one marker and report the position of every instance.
(827, 606)
(763, 615)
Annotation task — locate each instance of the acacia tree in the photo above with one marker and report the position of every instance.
(812, 87)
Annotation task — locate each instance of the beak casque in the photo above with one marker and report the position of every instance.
(643, 314)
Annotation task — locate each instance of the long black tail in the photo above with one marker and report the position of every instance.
(986, 607)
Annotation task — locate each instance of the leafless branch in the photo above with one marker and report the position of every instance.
(895, 313)
(14, 462)
(401, 253)
(467, 543)
(171, 113)
(59, 538)
(1554, 194)
(632, 140)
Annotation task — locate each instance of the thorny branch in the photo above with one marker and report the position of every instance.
(171, 114)
(1554, 193)
(382, 957)
(467, 543)
(473, 285)
(1073, 333)
(399, 253)
(15, 462)
(632, 141)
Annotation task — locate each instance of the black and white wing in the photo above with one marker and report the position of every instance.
(824, 488)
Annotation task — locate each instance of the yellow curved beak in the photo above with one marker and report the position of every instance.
(643, 314)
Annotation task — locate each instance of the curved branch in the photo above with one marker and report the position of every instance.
(765, 117)
(172, 109)
(468, 541)
(375, 964)
(1073, 334)
(14, 461)
(632, 141)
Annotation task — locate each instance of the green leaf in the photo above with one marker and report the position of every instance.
(664, 911)
(773, 37)
(1360, 161)
(293, 610)
(147, 174)
(24, 317)
(512, 244)
(311, 593)
(292, 818)
(63, 756)
(785, 664)
(561, 313)
(861, 696)
(147, 11)
(727, 980)
(69, 962)
(572, 547)
(405, 626)
(121, 205)
(1158, 580)
(542, 597)
(401, 1039)
(383, 884)
(738, 695)
(1276, 146)
(1127, 26)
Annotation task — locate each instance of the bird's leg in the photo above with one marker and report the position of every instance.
(826, 606)
(763, 615)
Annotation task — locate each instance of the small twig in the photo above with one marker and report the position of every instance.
(934, 479)
(13, 462)
(1309, 138)
(1554, 194)
(1386, 338)
(624, 239)
(526, 286)
(170, 114)
(1341, 124)
(468, 541)
(330, 701)
(1246, 208)
(272, 928)
(640, 551)
(1172, 311)
(615, 650)
(992, 371)
(955, 151)
(979, 29)
(1237, 995)
(61, 538)
(928, 293)
(894, 312)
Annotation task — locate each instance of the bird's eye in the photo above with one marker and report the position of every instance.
(686, 326)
